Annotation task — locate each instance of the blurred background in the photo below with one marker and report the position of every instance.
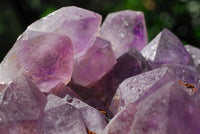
(182, 17)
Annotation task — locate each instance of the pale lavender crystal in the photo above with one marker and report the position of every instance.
(46, 58)
(125, 30)
(96, 62)
(59, 117)
(79, 24)
(166, 48)
(20, 99)
(187, 74)
(129, 64)
(195, 53)
(169, 110)
(138, 87)
(94, 120)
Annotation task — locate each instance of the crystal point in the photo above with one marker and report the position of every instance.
(166, 48)
(125, 30)
(79, 24)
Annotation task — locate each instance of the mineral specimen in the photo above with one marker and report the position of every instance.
(125, 30)
(80, 25)
(96, 62)
(166, 48)
(98, 82)
(45, 58)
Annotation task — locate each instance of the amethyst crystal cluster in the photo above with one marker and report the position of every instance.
(68, 74)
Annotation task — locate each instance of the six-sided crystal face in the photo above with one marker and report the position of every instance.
(126, 92)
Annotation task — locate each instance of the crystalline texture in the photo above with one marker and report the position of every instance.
(166, 48)
(169, 110)
(59, 117)
(187, 74)
(93, 119)
(46, 58)
(129, 64)
(138, 87)
(195, 53)
(20, 99)
(96, 62)
(125, 30)
(79, 24)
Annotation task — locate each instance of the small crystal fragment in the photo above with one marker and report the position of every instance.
(166, 48)
(80, 25)
(96, 62)
(125, 30)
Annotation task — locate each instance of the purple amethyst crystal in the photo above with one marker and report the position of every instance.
(138, 87)
(125, 30)
(186, 74)
(20, 100)
(80, 25)
(45, 58)
(59, 117)
(169, 110)
(129, 64)
(93, 119)
(166, 48)
(195, 53)
(96, 62)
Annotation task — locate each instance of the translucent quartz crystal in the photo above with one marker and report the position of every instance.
(96, 62)
(195, 53)
(59, 117)
(21, 102)
(166, 48)
(129, 64)
(125, 30)
(45, 58)
(94, 120)
(80, 25)
(138, 87)
(187, 74)
(169, 110)
(20, 99)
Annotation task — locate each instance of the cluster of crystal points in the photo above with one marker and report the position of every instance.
(68, 74)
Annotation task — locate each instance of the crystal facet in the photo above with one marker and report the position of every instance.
(59, 117)
(168, 110)
(138, 87)
(125, 30)
(46, 58)
(96, 62)
(80, 25)
(166, 48)
(94, 120)
(195, 53)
